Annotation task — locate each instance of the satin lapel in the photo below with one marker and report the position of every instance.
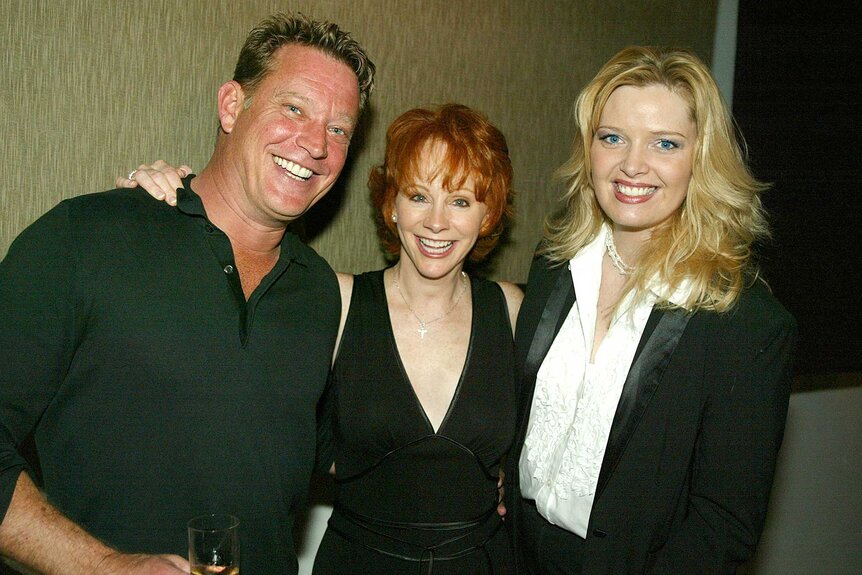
(640, 385)
(560, 300)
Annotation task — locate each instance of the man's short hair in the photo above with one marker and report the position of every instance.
(258, 53)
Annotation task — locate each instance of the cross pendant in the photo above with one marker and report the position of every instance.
(422, 331)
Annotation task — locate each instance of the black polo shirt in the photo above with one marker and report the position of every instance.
(157, 392)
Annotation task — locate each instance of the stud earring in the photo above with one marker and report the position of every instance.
(395, 218)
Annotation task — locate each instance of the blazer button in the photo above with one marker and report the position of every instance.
(599, 533)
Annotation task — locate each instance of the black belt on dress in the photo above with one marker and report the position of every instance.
(386, 537)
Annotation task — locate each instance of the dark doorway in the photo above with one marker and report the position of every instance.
(797, 98)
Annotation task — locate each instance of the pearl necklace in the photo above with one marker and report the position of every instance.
(423, 325)
(618, 262)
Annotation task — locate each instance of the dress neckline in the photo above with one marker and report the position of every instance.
(404, 376)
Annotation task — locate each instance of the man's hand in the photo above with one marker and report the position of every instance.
(37, 536)
(122, 564)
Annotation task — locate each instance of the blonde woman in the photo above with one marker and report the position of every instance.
(653, 362)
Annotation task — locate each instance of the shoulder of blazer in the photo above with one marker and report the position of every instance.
(756, 318)
(758, 307)
(728, 344)
(543, 278)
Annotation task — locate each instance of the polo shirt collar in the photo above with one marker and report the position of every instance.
(189, 203)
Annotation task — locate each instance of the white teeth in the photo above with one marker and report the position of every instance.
(635, 190)
(294, 170)
(435, 243)
(435, 246)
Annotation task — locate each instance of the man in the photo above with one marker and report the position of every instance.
(151, 406)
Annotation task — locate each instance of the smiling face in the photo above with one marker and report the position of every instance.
(437, 226)
(641, 157)
(289, 145)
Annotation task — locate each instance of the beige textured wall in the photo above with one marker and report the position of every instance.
(90, 88)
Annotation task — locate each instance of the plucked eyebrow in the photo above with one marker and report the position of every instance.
(420, 188)
(606, 128)
(656, 133)
(659, 133)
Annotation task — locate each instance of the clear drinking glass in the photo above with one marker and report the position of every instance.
(214, 544)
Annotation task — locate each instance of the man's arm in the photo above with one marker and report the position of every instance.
(37, 339)
(38, 536)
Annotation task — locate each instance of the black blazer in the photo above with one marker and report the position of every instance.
(685, 480)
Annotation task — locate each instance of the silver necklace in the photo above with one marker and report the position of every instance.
(423, 325)
(618, 262)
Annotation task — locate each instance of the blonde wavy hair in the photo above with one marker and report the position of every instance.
(709, 240)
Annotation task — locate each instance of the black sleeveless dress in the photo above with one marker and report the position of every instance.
(409, 500)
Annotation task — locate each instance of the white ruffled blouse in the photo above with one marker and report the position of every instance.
(575, 401)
